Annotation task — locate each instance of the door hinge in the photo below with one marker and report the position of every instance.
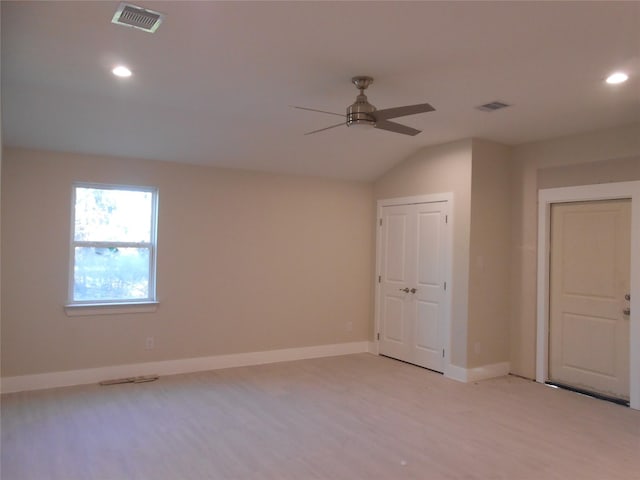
(379, 278)
(445, 286)
(446, 219)
(378, 336)
(380, 222)
(443, 353)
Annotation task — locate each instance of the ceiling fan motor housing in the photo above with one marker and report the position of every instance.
(361, 112)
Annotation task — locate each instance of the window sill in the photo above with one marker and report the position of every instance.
(73, 310)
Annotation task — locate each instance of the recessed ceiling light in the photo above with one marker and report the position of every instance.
(121, 71)
(618, 77)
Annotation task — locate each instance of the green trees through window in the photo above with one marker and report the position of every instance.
(113, 245)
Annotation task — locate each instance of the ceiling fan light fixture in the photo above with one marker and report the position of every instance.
(362, 124)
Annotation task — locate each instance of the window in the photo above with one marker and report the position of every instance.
(113, 245)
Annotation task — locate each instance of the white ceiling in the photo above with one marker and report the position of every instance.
(214, 84)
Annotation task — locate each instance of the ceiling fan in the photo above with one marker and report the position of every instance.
(362, 113)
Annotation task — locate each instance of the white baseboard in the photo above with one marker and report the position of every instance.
(373, 348)
(456, 373)
(484, 372)
(173, 367)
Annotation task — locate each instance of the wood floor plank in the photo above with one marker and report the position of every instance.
(350, 417)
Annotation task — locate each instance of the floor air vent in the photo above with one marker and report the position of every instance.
(137, 17)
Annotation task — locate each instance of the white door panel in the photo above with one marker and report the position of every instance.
(394, 313)
(589, 277)
(429, 271)
(428, 339)
(413, 260)
(395, 265)
(589, 344)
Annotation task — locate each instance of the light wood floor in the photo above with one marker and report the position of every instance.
(351, 417)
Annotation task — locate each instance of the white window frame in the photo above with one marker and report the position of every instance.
(116, 306)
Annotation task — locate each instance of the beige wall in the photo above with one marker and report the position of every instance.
(251, 261)
(246, 262)
(489, 259)
(597, 157)
(439, 169)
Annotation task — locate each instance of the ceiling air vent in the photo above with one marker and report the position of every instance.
(137, 17)
(493, 106)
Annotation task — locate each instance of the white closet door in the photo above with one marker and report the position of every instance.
(412, 289)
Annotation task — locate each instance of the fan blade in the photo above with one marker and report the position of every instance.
(326, 128)
(396, 127)
(319, 111)
(402, 111)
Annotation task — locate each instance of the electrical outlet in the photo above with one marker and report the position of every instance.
(149, 343)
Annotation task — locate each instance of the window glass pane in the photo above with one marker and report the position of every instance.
(111, 274)
(105, 215)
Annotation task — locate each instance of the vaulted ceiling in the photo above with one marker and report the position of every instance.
(215, 84)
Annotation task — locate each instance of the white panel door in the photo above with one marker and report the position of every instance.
(428, 300)
(412, 291)
(589, 278)
(397, 274)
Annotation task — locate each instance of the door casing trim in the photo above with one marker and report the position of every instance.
(604, 191)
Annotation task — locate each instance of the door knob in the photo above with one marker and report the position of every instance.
(405, 290)
(627, 297)
(626, 311)
(413, 290)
